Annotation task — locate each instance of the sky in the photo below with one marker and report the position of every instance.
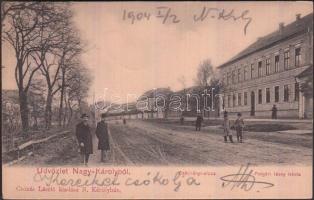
(126, 59)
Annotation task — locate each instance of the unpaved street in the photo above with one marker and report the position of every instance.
(148, 143)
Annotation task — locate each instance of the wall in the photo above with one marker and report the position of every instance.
(283, 77)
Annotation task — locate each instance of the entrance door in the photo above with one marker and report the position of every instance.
(308, 105)
(252, 103)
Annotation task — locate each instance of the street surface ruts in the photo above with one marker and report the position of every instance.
(148, 143)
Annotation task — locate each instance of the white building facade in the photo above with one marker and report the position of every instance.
(267, 73)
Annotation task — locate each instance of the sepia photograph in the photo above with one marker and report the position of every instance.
(94, 88)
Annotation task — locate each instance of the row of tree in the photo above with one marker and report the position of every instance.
(206, 80)
(47, 50)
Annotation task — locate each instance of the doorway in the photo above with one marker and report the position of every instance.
(252, 103)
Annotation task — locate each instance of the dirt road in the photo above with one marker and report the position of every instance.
(148, 143)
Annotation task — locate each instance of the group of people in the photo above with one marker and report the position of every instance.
(238, 126)
(84, 138)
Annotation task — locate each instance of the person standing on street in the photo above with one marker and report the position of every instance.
(198, 123)
(103, 137)
(239, 125)
(84, 138)
(274, 112)
(181, 120)
(226, 126)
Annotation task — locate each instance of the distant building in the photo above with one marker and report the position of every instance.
(270, 71)
(153, 103)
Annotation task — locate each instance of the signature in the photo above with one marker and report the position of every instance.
(222, 14)
(243, 179)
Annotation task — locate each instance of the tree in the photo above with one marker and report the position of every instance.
(69, 58)
(8, 8)
(36, 101)
(46, 43)
(204, 74)
(20, 30)
(78, 82)
(55, 22)
(182, 80)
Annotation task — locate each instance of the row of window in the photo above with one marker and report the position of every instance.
(230, 77)
(286, 96)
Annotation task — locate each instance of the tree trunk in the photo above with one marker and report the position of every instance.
(35, 126)
(79, 105)
(65, 113)
(48, 110)
(24, 110)
(71, 113)
(61, 112)
(22, 97)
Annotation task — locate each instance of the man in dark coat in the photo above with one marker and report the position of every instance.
(84, 138)
(103, 137)
(274, 112)
(198, 123)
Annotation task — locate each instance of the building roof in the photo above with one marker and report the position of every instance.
(190, 90)
(306, 73)
(156, 92)
(295, 28)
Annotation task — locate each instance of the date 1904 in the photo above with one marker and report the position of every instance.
(167, 15)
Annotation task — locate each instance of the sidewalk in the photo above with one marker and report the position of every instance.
(251, 119)
(300, 132)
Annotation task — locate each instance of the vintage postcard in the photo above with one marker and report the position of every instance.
(157, 100)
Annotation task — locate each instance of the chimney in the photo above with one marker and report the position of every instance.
(297, 17)
(281, 26)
